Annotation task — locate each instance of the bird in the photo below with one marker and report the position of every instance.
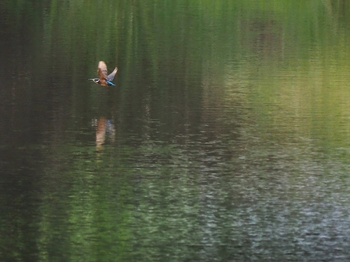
(104, 79)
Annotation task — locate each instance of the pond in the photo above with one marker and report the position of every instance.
(226, 137)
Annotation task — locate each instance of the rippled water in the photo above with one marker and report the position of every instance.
(225, 139)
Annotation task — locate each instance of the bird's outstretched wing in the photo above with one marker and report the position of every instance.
(102, 70)
(111, 75)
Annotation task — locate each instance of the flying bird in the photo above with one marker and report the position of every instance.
(104, 79)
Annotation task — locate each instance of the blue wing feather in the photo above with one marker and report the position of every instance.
(110, 83)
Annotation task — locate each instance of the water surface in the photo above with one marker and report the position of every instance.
(226, 137)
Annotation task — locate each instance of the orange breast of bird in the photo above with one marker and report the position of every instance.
(103, 82)
(102, 76)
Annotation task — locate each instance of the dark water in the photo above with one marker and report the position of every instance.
(226, 137)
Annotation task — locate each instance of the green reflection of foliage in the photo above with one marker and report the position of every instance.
(85, 215)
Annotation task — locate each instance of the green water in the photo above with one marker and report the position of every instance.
(226, 137)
